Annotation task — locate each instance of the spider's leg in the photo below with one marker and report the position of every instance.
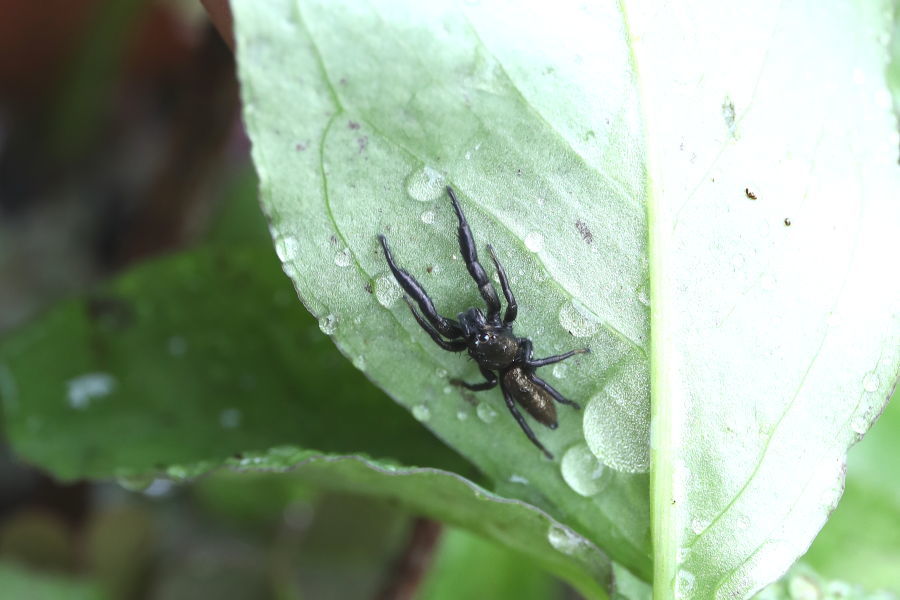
(449, 345)
(512, 309)
(470, 256)
(447, 327)
(549, 389)
(511, 405)
(542, 362)
(477, 387)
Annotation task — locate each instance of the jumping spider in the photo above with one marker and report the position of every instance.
(489, 340)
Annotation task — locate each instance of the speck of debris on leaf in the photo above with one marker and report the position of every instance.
(585, 232)
(750, 194)
(352, 124)
(362, 142)
(369, 288)
(787, 221)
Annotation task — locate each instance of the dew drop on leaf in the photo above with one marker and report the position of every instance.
(486, 412)
(871, 382)
(425, 184)
(387, 290)
(581, 470)
(287, 248)
(428, 217)
(578, 320)
(342, 258)
(230, 418)
(88, 387)
(421, 412)
(328, 324)
(560, 370)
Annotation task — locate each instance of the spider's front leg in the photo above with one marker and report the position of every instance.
(534, 363)
(470, 257)
(478, 387)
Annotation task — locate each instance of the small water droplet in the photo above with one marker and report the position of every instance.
(287, 248)
(859, 424)
(486, 412)
(428, 217)
(135, 483)
(743, 522)
(578, 320)
(583, 472)
(448, 389)
(697, 526)
(441, 373)
(462, 415)
(328, 324)
(518, 479)
(468, 155)
(360, 362)
(230, 418)
(560, 370)
(421, 412)
(176, 345)
(387, 290)
(425, 184)
(871, 381)
(534, 241)
(563, 539)
(684, 583)
(343, 258)
(82, 390)
(644, 293)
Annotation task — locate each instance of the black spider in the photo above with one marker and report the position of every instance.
(489, 340)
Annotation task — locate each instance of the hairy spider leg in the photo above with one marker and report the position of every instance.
(447, 327)
(512, 309)
(478, 387)
(550, 390)
(470, 256)
(451, 345)
(511, 405)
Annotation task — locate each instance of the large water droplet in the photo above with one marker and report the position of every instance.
(81, 391)
(428, 217)
(425, 185)
(387, 290)
(343, 258)
(486, 412)
(578, 320)
(617, 420)
(328, 324)
(287, 248)
(563, 539)
(534, 241)
(583, 472)
(421, 412)
(871, 381)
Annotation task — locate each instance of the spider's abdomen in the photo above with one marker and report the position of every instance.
(494, 350)
(530, 396)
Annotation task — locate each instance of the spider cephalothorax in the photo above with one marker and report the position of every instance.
(488, 338)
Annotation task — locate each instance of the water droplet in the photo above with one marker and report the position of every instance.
(578, 320)
(176, 345)
(684, 583)
(698, 526)
(360, 362)
(462, 415)
(534, 241)
(421, 412)
(86, 388)
(486, 412)
(871, 381)
(135, 483)
(448, 389)
(617, 420)
(230, 418)
(563, 539)
(560, 370)
(583, 472)
(287, 248)
(468, 155)
(644, 293)
(428, 217)
(518, 479)
(387, 290)
(441, 373)
(859, 424)
(540, 201)
(425, 185)
(343, 258)
(743, 522)
(328, 324)
(801, 587)
(177, 472)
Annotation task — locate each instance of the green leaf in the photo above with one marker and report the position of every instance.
(768, 178)
(556, 184)
(19, 582)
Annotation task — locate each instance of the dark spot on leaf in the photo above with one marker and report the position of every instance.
(301, 146)
(585, 232)
(750, 194)
(429, 269)
(333, 239)
(787, 222)
(342, 81)
(369, 288)
(352, 124)
(519, 172)
(362, 142)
